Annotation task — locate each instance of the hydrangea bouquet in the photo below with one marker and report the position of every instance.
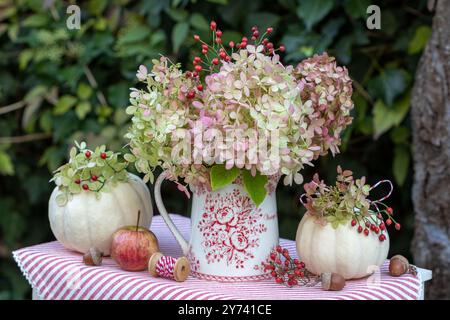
(189, 122)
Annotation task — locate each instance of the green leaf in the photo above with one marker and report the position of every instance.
(35, 21)
(400, 135)
(82, 109)
(255, 186)
(356, 8)
(224, 2)
(134, 34)
(420, 39)
(31, 110)
(199, 22)
(385, 118)
(6, 166)
(312, 11)
(84, 91)
(46, 122)
(96, 7)
(179, 15)
(388, 85)
(179, 34)
(64, 104)
(400, 165)
(25, 57)
(221, 177)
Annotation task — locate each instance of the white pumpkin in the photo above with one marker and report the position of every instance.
(85, 221)
(342, 250)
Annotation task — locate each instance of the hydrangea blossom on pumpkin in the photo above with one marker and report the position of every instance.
(308, 106)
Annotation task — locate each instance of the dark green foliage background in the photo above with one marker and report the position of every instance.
(74, 85)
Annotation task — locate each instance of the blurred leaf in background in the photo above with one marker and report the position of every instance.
(59, 85)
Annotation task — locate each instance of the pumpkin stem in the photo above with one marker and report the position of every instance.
(138, 218)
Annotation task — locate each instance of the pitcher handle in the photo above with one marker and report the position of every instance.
(162, 210)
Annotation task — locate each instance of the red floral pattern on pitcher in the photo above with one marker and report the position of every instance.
(230, 227)
(193, 261)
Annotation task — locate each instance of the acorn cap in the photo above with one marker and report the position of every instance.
(401, 258)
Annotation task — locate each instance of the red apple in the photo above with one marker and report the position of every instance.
(132, 247)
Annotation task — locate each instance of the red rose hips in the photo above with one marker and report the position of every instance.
(388, 222)
(87, 154)
(215, 61)
(213, 25)
(77, 181)
(191, 94)
(366, 232)
(389, 210)
(200, 87)
(397, 226)
(94, 178)
(196, 37)
(85, 187)
(360, 229)
(103, 155)
(353, 222)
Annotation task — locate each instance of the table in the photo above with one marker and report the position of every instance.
(58, 273)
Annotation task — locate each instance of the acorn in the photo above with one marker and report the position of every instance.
(332, 281)
(93, 257)
(398, 265)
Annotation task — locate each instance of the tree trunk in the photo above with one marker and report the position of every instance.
(430, 105)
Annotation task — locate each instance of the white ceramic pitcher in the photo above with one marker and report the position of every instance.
(230, 236)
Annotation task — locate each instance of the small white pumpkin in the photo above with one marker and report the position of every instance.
(342, 250)
(85, 221)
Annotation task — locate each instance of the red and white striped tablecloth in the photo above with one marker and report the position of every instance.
(57, 273)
